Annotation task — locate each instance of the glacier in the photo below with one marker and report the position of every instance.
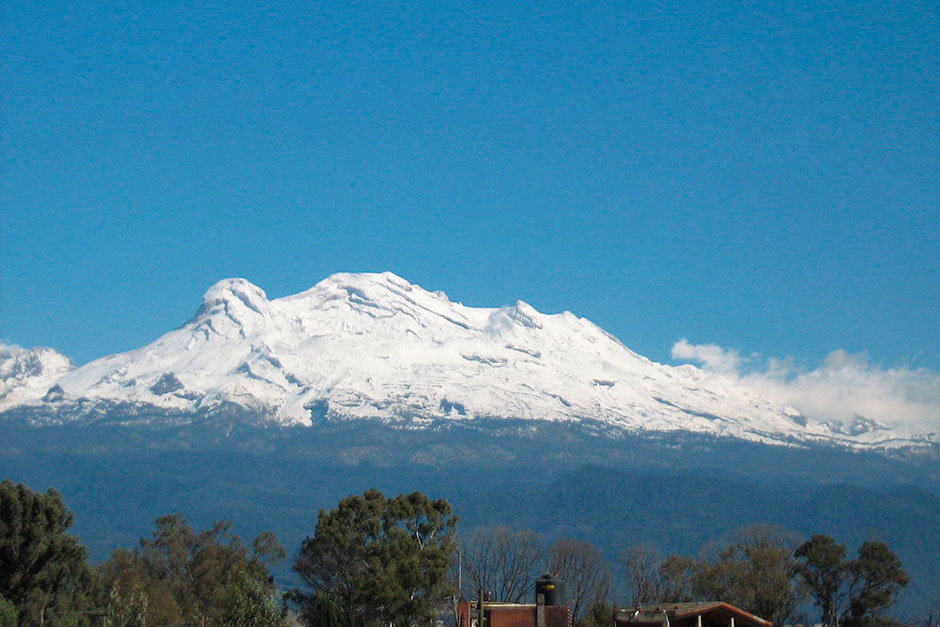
(364, 346)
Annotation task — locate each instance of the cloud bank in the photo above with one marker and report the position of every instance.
(844, 386)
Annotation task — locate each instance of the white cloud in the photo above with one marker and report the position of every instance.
(711, 356)
(843, 386)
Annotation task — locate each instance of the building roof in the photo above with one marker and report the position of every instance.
(678, 611)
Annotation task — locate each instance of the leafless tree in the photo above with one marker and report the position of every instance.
(933, 615)
(501, 561)
(642, 565)
(655, 580)
(585, 573)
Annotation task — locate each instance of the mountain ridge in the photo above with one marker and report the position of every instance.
(376, 347)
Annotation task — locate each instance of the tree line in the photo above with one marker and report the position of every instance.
(177, 576)
(765, 570)
(375, 561)
(770, 572)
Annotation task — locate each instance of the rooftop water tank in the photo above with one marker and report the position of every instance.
(552, 588)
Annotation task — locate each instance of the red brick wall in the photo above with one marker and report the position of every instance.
(513, 616)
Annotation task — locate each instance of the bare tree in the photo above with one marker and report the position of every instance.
(501, 561)
(585, 573)
(654, 580)
(641, 562)
(933, 614)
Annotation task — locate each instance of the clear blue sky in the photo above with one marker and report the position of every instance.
(764, 176)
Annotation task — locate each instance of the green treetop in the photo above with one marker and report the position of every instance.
(375, 561)
(43, 573)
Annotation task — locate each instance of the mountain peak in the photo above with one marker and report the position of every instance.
(367, 300)
(375, 346)
(233, 304)
(239, 289)
(27, 372)
(19, 361)
(367, 285)
(373, 278)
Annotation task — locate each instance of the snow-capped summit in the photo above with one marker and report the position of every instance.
(374, 346)
(233, 292)
(234, 306)
(24, 371)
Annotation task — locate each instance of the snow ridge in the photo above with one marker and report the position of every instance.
(374, 346)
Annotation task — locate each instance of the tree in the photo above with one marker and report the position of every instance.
(377, 561)
(335, 560)
(598, 615)
(502, 562)
(823, 569)
(755, 572)
(8, 613)
(251, 605)
(933, 614)
(654, 581)
(179, 576)
(876, 578)
(676, 578)
(43, 572)
(642, 564)
(581, 566)
(126, 607)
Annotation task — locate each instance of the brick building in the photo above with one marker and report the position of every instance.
(513, 615)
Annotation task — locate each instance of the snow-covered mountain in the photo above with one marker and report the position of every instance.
(373, 346)
(24, 371)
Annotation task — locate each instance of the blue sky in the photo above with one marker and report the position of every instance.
(762, 177)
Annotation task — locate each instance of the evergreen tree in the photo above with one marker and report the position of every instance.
(823, 569)
(43, 572)
(127, 607)
(251, 605)
(876, 578)
(181, 577)
(8, 613)
(377, 561)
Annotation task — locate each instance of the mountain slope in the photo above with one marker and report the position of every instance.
(373, 346)
(26, 372)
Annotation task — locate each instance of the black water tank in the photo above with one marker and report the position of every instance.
(552, 587)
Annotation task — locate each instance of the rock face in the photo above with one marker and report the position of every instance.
(373, 346)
